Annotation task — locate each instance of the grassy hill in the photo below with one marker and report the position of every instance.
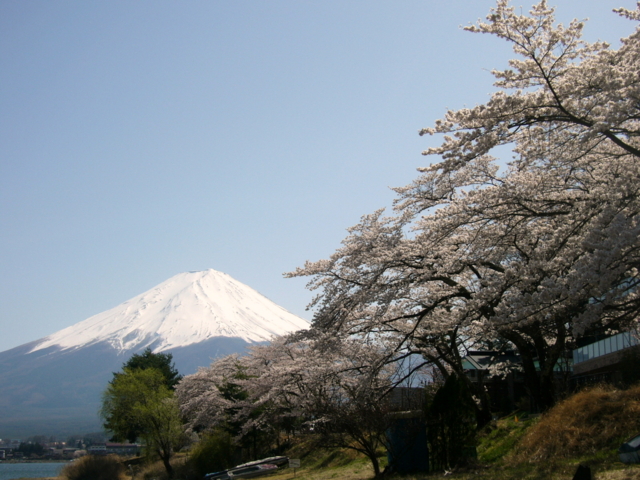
(586, 428)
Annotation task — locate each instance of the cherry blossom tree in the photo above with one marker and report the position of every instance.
(210, 397)
(338, 386)
(223, 398)
(533, 255)
(334, 387)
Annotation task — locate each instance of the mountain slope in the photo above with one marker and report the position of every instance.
(53, 385)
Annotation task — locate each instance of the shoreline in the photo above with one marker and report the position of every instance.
(33, 461)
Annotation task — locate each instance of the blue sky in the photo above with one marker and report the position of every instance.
(143, 139)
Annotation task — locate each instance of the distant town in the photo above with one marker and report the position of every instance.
(43, 448)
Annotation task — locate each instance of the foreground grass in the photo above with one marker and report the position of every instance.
(496, 461)
(361, 470)
(345, 465)
(586, 428)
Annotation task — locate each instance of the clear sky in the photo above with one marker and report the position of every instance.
(143, 139)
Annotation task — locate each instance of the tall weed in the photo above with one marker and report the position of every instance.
(93, 467)
(596, 419)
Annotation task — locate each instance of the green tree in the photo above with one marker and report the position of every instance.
(120, 421)
(159, 361)
(138, 403)
(30, 449)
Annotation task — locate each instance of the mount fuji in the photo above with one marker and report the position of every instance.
(52, 386)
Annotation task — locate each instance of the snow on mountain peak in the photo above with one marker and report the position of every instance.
(188, 308)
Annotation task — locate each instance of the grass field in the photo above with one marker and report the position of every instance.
(586, 428)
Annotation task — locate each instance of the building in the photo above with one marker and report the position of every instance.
(123, 449)
(607, 360)
(110, 448)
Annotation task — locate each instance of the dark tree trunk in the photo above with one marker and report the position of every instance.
(539, 382)
(375, 464)
(483, 411)
(167, 464)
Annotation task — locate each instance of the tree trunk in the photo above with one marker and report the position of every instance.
(483, 411)
(539, 383)
(375, 464)
(167, 465)
(547, 391)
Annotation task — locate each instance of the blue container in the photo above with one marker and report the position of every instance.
(407, 441)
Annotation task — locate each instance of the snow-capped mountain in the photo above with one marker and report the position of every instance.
(52, 386)
(188, 308)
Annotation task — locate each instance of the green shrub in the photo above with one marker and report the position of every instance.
(94, 468)
(500, 438)
(215, 452)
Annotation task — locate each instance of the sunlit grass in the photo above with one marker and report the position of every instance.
(586, 428)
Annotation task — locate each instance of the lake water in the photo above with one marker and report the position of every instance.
(9, 471)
